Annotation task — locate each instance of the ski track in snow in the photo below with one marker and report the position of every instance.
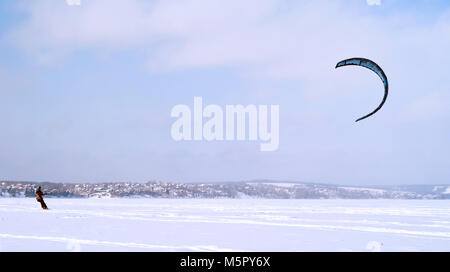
(416, 222)
(120, 244)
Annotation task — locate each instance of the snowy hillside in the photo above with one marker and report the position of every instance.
(254, 189)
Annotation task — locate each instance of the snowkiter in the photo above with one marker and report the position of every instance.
(40, 199)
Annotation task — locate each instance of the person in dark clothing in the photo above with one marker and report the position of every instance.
(40, 199)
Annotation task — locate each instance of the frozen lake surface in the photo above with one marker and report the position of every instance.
(224, 225)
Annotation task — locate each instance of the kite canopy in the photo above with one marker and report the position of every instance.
(375, 68)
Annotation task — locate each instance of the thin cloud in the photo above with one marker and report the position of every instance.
(257, 38)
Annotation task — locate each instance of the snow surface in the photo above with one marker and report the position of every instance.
(119, 224)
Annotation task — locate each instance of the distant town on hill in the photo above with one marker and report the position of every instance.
(250, 189)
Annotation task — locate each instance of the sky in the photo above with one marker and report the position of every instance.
(86, 91)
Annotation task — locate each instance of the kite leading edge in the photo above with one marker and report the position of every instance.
(375, 68)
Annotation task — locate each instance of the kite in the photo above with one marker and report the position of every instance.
(375, 68)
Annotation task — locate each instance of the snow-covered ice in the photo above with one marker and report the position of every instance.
(224, 225)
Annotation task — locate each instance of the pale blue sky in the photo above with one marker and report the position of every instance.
(86, 91)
